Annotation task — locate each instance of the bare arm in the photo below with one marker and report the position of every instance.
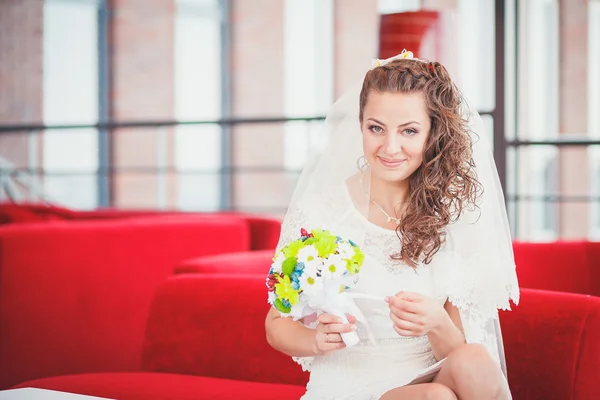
(288, 336)
(448, 335)
(294, 339)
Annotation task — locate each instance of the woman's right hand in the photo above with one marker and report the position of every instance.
(327, 337)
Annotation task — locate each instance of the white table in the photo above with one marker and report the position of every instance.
(43, 394)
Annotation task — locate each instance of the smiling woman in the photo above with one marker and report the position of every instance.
(437, 255)
(414, 137)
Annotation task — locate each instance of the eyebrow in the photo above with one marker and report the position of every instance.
(399, 126)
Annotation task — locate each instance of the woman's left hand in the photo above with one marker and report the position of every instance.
(414, 314)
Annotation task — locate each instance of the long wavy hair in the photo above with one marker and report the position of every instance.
(446, 183)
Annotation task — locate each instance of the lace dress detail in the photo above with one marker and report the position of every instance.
(368, 370)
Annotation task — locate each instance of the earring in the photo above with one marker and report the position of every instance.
(362, 163)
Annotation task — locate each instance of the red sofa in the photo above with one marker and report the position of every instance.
(75, 294)
(572, 267)
(264, 231)
(205, 340)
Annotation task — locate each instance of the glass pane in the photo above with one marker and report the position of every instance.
(539, 69)
(198, 161)
(70, 96)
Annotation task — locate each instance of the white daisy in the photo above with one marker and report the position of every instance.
(307, 254)
(334, 267)
(311, 284)
(278, 262)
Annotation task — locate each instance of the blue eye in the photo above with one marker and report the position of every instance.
(410, 132)
(376, 129)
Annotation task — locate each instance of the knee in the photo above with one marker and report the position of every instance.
(473, 363)
(436, 391)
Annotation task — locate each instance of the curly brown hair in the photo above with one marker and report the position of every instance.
(446, 183)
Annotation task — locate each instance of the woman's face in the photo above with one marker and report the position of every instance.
(395, 128)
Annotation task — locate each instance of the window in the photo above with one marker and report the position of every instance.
(538, 115)
(308, 66)
(198, 97)
(70, 96)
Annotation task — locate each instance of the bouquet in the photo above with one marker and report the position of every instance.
(311, 275)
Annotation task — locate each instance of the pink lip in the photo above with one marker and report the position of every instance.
(390, 163)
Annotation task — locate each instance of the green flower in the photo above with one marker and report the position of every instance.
(354, 264)
(284, 290)
(291, 250)
(325, 243)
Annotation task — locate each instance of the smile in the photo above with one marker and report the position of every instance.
(390, 163)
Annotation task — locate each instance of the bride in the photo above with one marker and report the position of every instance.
(408, 176)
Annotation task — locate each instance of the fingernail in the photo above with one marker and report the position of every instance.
(387, 299)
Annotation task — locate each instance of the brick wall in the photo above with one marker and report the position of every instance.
(142, 88)
(21, 75)
(257, 81)
(574, 174)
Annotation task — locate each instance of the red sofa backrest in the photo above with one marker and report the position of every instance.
(562, 266)
(264, 230)
(552, 345)
(11, 213)
(74, 296)
(213, 325)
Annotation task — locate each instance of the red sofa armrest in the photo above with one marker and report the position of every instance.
(552, 346)
(244, 262)
(213, 325)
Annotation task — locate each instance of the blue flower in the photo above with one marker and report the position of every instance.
(295, 276)
(300, 266)
(295, 285)
(352, 243)
(285, 302)
(337, 239)
(271, 270)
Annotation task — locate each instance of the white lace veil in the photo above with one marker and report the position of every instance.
(477, 265)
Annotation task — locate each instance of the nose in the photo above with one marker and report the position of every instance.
(393, 144)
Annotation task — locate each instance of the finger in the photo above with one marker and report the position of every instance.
(338, 328)
(351, 318)
(333, 338)
(329, 319)
(332, 347)
(403, 332)
(397, 301)
(411, 296)
(406, 316)
(408, 306)
(404, 324)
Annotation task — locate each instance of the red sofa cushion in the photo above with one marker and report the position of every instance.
(213, 325)
(20, 213)
(552, 345)
(74, 296)
(560, 266)
(153, 386)
(246, 262)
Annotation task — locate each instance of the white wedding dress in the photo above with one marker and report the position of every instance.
(367, 370)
